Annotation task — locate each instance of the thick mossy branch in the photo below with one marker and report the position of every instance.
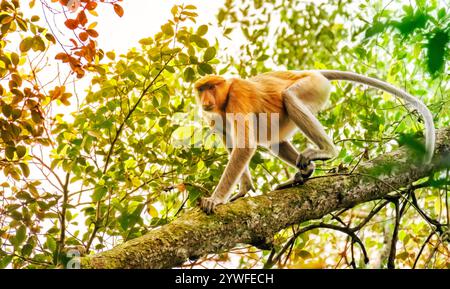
(252, 219)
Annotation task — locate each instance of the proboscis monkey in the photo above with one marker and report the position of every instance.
(295, 97)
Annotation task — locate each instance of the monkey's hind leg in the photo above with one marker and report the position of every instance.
(287, 152)
(309, 125)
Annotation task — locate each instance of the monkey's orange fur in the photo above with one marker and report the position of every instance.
(259, 94)
(262, 93)
(262, 96)
(295, 97)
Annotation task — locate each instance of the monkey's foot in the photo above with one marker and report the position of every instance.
(209, 204)
(238, 196)
(303, 162)
(245, 186)
(308, 171)
(297, 180)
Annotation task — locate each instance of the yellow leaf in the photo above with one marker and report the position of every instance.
(152, 211)
(111, 55)
(136, 181)
(92, 25)
(93, 13)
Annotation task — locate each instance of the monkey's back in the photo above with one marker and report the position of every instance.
(262, 93)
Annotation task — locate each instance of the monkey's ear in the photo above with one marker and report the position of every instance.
(209, 79)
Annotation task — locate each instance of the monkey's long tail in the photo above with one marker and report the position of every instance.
(415, 102)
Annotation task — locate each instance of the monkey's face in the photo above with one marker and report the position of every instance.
(212, 93)
(207, 95)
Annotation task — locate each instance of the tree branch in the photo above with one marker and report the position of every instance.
(249, 220)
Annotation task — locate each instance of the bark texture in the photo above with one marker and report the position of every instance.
(253, 220)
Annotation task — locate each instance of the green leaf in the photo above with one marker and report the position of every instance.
(10, 152)
(35, 116)
(21, 151)
(206, 68)
(6, 109)
(99, 193)
(411, 22)
(38, 44)
(202, 30)
(4, 261)
(304, 254)
(155, 102)
(21, 234)
(16, 113)
(51, 243)
(436, 48)
(189, 74)
(403, 255)
(209, 54)
(27, 249)
(263, 57)
(376, 28)
(183, 58)
(412, 143)
(441, 13)
(23, 195)
(191, 14)
(162, 122)
(201, 42)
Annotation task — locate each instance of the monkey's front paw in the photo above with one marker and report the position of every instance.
(209, 204)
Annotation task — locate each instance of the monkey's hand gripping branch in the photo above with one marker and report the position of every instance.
(239, 159)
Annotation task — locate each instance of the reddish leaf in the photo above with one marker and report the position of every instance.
(92, 33)
(62, 56)
(83, 36)
(71, 23)
(79, 72)
(118, 9)
(91, 5)
(74, 42)
(91, 44)
(56, 93)
(82, 19)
